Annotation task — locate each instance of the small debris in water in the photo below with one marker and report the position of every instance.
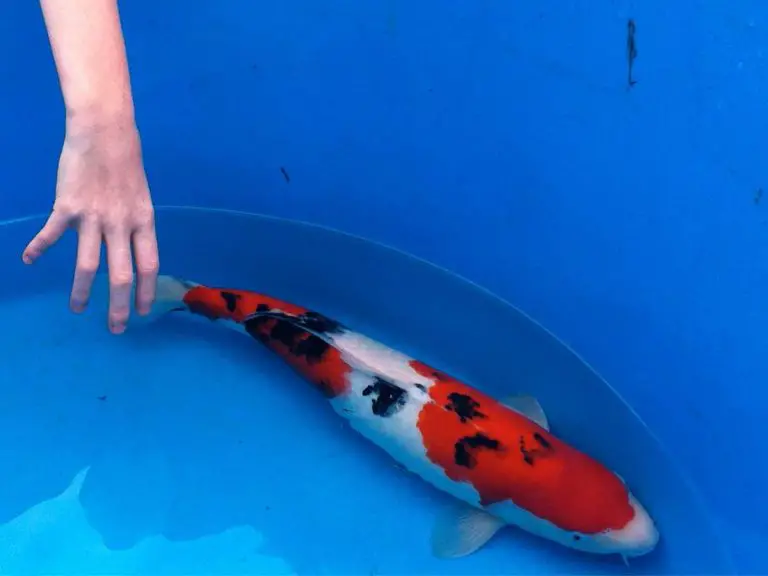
(758, 196)
(101, 398)
(285, 174)
(631, 52)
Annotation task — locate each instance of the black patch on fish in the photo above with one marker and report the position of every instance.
(465, 407)
(318, 323)
(541, 440)
(286, 333)
(421, 387)
(528, 458)
(312, 348)
(311, 321)
(299, 342)
(253, 328)
(254, 323)
(231, 300)
(388, 398)
(531, 454)
(466, 448)
(576, 537)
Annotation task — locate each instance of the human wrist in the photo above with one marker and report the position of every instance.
(89, 116)
(114, 135)
(98, 121)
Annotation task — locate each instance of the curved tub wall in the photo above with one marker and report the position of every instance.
(498, 139)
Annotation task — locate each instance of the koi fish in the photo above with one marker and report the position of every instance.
(498, 459)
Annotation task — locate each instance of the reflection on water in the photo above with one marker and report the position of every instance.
(62, 536)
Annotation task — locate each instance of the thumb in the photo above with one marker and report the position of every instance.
(50, 233)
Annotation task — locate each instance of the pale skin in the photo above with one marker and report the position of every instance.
(102, 190)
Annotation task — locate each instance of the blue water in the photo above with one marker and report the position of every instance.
(185, 448)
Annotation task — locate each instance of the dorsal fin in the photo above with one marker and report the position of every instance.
(529, 407)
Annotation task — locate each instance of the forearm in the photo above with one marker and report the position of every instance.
(89, 51)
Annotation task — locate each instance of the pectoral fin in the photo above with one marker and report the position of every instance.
(462, 530)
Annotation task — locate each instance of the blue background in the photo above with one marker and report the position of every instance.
(500, 140)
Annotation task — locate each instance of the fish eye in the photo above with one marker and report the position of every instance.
(577, 537)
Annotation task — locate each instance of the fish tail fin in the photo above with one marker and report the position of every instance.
(170, 292)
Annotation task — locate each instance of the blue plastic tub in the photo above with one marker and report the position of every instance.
(501, 141)
(183, 447)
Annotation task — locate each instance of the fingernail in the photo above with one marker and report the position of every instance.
(117, 328)
(77, 307)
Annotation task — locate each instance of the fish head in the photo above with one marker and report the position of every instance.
(578, 502)
(637, 537)
(582, 505)
(599, 513)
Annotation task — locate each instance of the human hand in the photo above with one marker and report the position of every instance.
(102, 193)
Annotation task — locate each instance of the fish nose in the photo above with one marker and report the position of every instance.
(639, 536)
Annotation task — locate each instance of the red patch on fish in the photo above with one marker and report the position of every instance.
(506, 456)
(235, 305)
(327, 371)
(305, 352)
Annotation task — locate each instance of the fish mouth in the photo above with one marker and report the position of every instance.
(637, 551)
(639, 537)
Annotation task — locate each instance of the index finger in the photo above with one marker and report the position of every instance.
(50, 233)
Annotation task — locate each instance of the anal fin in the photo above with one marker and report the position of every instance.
(462, 530)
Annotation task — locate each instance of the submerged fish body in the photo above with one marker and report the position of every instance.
(497, 458)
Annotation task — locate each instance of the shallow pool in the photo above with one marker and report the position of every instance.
(182, 447)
